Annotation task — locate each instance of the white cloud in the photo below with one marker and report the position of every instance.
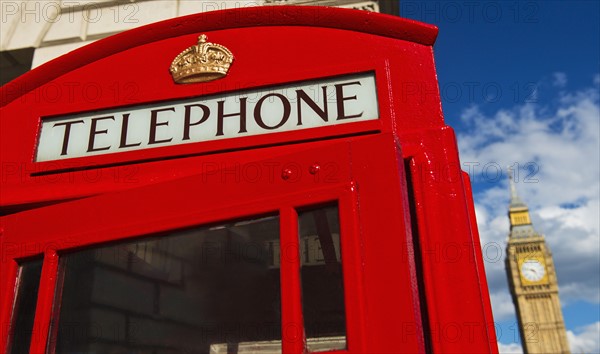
(585, 339)
(557, 149)
(573, 236)
(560, 79)
(555, 146)
(509, 348)
(502, 306)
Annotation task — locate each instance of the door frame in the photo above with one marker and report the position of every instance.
(346, 173)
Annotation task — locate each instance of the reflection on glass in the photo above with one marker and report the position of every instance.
(194, 291)
(322, 285)
(25, 304)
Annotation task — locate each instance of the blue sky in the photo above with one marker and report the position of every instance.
(519, 83)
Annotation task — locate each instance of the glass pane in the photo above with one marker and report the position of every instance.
(204, 290)
(25, 303)
(322, 284)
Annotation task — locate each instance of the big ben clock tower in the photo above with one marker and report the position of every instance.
(533, 284)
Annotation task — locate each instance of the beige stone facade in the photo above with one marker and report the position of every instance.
(33, 32)
(533, 285)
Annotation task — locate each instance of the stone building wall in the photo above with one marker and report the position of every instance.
(33, 32)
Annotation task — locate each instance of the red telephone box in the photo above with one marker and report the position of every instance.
(257, 180)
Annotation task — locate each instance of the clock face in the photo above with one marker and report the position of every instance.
(533, 270)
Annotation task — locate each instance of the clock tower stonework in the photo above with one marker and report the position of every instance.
(533, 284)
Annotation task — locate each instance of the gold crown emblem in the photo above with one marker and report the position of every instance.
(202, 62)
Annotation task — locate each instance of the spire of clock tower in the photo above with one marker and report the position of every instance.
(532, 282)
(515, 201)
(518, 212)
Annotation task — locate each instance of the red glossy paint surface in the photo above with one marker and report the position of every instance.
(403, 200)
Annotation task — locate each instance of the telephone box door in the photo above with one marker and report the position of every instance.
(303, 251)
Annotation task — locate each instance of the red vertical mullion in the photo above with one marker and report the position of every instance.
(293, 338)
(43, 312)
(352, 271)
(485, 294)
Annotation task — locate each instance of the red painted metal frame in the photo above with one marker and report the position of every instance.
(449, 242)
(368, 263)
(403, 292)
(144, 68)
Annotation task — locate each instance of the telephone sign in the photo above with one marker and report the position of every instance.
(255, 112)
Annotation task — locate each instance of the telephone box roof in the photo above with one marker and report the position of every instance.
(311, 16)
